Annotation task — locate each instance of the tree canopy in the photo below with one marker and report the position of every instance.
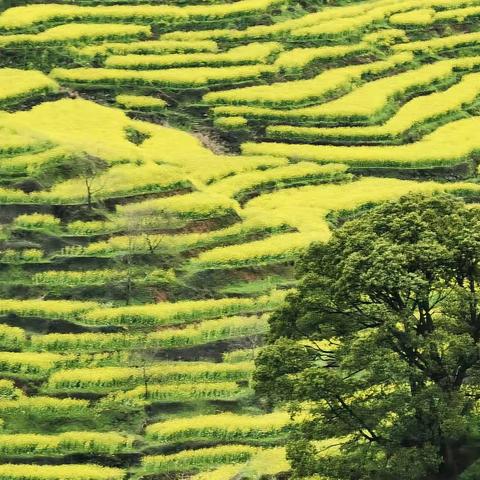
(378, 349)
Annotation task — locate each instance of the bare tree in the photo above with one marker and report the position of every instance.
(90, 168)
(146, 236)
(140, 239)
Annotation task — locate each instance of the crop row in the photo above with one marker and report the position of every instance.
(17, 256)
(21, 84)
(300, 92)
(140, 102)
(138, 244)
(51, 309)
(221, 462)
(42, 407)
(41, 363)
(220, 473)
(198, 334)
(106, 379)
(451, 144)
(77, 32)
(275, 30)
(370, 102)
(428, 16)
(37, 221)
(436, 44)
(223, 427)
(246, 185)
(118, 181)
(181, 312)
(195, 460)
(253, 53)
(146, 47)
(166, 2)
(196, 205)
(12, 338)
(13, 142)
(189, 392)
(296, 60)
(351, 19)
(306, 209)
(415, 113)
(156, 314)
(9, 471)
(26, 163)
(64, 443)
(169, 78)
(69, 278)
(48, 223)
(377, 12)
(299, 207)
(284, 247)
(268, 461)
(374, 13)
(83, 127)
(27, 16)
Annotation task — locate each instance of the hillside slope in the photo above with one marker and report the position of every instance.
(162, 165)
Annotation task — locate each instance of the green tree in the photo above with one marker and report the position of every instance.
(381, 341)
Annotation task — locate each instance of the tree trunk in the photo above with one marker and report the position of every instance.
(89, 195)
(145, 381)
(128, 291)
(450, 463)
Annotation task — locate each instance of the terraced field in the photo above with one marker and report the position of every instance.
(161, 167)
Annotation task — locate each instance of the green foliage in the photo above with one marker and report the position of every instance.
(472, 472)
(380, 341)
